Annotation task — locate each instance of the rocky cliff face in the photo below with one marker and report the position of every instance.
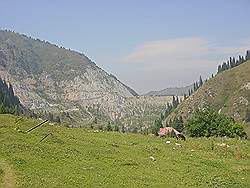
(50, 78)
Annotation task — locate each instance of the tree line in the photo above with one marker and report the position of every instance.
(196, 86)
(233, 62)
(9, 102)
(170, 107)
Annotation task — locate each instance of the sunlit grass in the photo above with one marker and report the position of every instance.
(82, 158)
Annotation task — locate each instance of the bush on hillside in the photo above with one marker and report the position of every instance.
(178, 124)
(208, 122)
(157, 125)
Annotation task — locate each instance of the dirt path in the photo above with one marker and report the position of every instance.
(8, 177)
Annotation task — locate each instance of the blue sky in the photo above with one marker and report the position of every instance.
(148, 44)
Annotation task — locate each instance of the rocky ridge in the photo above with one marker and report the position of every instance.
(48, 78)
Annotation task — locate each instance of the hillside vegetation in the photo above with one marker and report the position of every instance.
(76, 157)
(227, 92)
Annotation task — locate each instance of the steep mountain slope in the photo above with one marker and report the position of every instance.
(48, 78)
(228, 92)
(178, 91)
(52, 79)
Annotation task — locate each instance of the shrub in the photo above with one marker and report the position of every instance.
(208, 122)
(109, 127)
(178, 124)
(116, 128)
(157, 125)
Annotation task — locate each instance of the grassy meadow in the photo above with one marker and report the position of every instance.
(77, 157)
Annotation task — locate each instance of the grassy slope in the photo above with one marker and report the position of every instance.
(224, 92)
(81, 158)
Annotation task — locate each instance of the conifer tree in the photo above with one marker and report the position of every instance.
(178, 124)
(57, 119)
(191, 91)
(109, 128)
(219, 69)
(196, 85)
(116, 128)
(247, 115)
(185, 96)
(233, 63)
(178, 101)
(248, 55)
(200, 82)
(9, 102)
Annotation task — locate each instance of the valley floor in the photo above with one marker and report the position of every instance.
(75, 157)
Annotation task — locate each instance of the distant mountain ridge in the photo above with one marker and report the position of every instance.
(178, 91)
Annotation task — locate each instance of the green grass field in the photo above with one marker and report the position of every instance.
(82, 158)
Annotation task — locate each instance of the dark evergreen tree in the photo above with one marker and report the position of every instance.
(219, 69)
(156, 127)
(57, 119)
(170, 123)
(200, 82)
(8, 101)
(233, 63)
(178, 124)
(162, 116)
(178, 101)
(109, 127)
(116, 128)
(175, 101)
(230, 62)
(248, 55)
(196, 85)
(95, 120)
(123, 129)
(228, 65)
(185, 96)
(237, 62)
(224, 66)
(247, 115)
(50, 116)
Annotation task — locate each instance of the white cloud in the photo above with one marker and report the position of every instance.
(172, 48)
(174, 62)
